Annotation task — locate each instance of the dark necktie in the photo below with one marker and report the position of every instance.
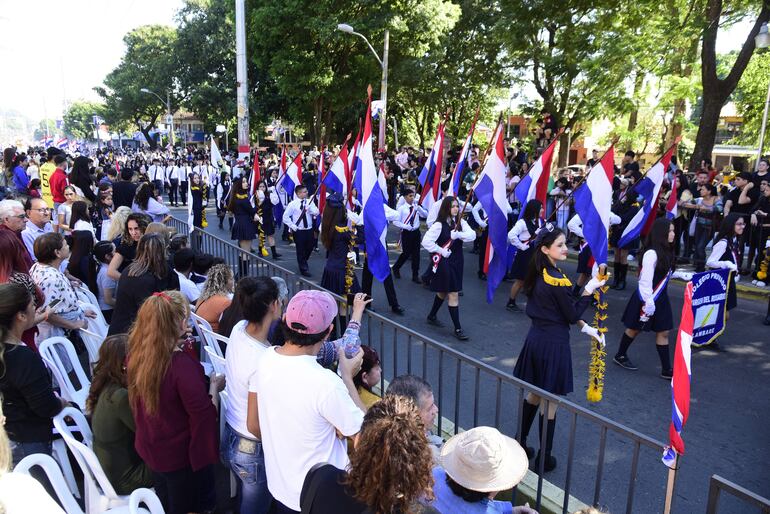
(303, 217)
(411, 211)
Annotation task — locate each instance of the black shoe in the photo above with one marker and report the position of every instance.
(667, 374)
(714, 347)
(397, 309)
(416, 280)
(460, 293)
(548, 465)
(396, 272)
(767, 321)
(511, 306)
(482, 275)
(624, 362)
(276, 257)
(433, 320)
(315, 249)
(459, 334)
(306, 274)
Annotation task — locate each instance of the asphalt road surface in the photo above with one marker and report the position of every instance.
(726, 433)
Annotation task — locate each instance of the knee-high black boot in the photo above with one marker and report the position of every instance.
(615, 274)
(528, 412)
(550, 460)
(622, 280)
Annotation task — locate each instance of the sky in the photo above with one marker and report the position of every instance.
(64, 49)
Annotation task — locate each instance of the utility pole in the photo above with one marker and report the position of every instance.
(242, 81)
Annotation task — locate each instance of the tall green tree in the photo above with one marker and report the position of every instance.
(78, 118)
(750, 96)
(717, 87)
(149, 62)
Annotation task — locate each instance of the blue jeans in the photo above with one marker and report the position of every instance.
(249, 467)
(21, 450)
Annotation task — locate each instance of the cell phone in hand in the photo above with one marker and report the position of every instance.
(54, 303)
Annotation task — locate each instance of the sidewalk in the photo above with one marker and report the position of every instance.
(745, 288)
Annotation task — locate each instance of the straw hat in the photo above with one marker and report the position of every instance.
(484, 460)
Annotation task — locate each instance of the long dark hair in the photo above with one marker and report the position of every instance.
(236, 189)
(79, 173)
(445, 211)
(539, 260)
(143, 195)
(82, 251)
(727, 228)
(14, 298)
(657, 240)
(532, 210)
(332, 217)
(79, 213)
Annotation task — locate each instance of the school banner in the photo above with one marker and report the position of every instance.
(709, 304)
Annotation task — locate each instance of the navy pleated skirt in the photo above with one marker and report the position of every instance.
(662, 320)
(244, 228)
(545, 360)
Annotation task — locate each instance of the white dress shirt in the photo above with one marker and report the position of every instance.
(292, 216)
(409, 216)
(466, 233)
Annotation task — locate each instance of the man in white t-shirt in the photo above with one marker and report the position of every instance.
(183, 262)
(302, 407)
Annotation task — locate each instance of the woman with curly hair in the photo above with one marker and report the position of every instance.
(112, 421)
(217, 295)
(377, 481)
(133, 230)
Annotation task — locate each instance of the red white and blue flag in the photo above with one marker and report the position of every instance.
(293, 176)
(671, 206)
(256, 176)
(336, 178)
(535, 184)
(490, 191)
(62, 143)
(430, 176)
(593, 203)
(373, 204)
(462, 162)
(649, 189)
(680, 382)
(352, 167)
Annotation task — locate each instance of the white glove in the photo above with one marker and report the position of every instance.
(524, 247)
(260, 195)
(483, 224)
(594, 284)
(444, 252)
(594, 333)
(731, 266)
(684, 275)
(352, 257)
(293, 227)
(649, 307)
(455, 234)
(258, 219)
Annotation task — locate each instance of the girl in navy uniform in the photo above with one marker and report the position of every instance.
(222, 196)
(626, 207)
(724, 254)
(649, 308)
(265, 200)
(198, 192)
(545, 360)
(522, 233)
(336, 236)
(244, 230)
(444, 240)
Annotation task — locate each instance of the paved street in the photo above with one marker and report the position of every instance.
(725, 435)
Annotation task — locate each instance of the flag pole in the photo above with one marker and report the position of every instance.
(670, 483)
(483, 163)
(441, 124)
(585, 177)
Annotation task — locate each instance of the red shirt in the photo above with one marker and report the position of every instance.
(58, 182)
(184, 431)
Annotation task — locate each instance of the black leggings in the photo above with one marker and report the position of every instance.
(185, 490)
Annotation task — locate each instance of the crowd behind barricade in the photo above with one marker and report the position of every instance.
(170, 339)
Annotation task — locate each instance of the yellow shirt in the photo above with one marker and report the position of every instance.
(46, 170)
(367, 397)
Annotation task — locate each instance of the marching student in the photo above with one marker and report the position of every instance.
(185, 170)
(336, 236)
(173, 172)
(222, 198)
(264, 201)
(444, 240)
(157, 174)
(649, 308)
(198, 194)
(545, 360)
(298, 217)
(625, 205)
(409, 222)
(367, 279)
(523, 231)
(585, 257)
(480, 217)
(203, 171)
(244, 231)
(724, 254)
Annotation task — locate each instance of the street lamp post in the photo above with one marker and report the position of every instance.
(169, 115)
(344, 27)
(762, 40)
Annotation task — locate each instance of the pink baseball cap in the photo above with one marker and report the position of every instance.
(310, 312)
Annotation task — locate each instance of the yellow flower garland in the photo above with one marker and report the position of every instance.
(349, 270)
(762, 273)
(260, 232)
(597, 365)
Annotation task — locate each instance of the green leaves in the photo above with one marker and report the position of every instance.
(78, 118)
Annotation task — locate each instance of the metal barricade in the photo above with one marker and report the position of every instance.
(462, 387)
(717, 485)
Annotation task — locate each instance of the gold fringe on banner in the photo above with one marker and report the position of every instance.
(597, 365)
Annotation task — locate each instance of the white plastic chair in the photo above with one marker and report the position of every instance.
(54, 474)
(217, 362)
(99, 493)
(224, 402)
(53, 360)
(149, 498)
(93, 342)
(98, 324)
(85, 295)
(213, 339)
